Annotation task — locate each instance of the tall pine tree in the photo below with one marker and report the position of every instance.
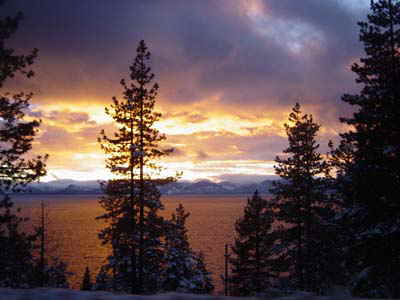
(302, 205)
(132, 201)
(368, 180)
(16, 137)
(252, 269)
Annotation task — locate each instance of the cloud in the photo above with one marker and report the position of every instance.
(177, 154)
(65, 117)
(229, 146)
(244, 178)
(185, 116)
(201, 155)
(56, 139)
(199, 51)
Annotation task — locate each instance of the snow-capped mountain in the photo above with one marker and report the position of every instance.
(67, 186)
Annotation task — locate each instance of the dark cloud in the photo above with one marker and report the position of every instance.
(67, 117)
(201, 49)
(201, 156)
(177, 153)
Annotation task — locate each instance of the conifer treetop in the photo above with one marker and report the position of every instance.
(302, 159)
(12, 63)
(136, 137)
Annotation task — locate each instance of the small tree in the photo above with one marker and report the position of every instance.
(252, 270)
(104, 281)
(16, 137)
(184, 269)
(87, 281)
(132, 201)
(303, 205)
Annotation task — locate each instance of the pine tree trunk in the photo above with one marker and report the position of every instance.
(115, 241)
(42, 245)
(133, 217)
(258, 289)
(307, 233)
(307, 249)
(141, 243)
(299, 262)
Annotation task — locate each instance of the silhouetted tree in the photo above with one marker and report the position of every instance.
(184, 269)
(303, 205)
(132, 201)
(16, 248)
(16, 137)
(87, 281)
(369, 180)
(104, 280)
(252, 268)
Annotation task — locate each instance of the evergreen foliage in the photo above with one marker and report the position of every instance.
(252, 269)
(16, 137)
(132, 201)
(184, 269)
(55, 274)
(87, 284)
(303, 207)
(104, 280)
(16, 249)
(368, 181)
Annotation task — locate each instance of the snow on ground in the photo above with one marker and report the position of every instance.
(63, 294)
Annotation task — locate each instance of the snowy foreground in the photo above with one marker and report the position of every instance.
(62, 294)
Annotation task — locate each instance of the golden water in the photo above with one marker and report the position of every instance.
(73, 230)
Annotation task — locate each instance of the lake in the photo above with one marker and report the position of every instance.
(73, 230)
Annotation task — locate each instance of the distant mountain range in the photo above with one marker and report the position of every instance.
(207, 187)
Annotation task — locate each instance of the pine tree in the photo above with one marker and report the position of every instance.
(184, 269)
(16, 249)
(104, 281)
(132, 201)
(56, 273)
(369, 182)
(16, 137)
(87, 281)
(252, 269)
(302, 204)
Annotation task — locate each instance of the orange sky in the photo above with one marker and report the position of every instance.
(208, 139)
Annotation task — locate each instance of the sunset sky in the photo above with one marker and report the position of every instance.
(229, 73)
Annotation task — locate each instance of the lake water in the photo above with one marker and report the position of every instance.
(73, 229)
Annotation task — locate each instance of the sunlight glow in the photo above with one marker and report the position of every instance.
(176, 126)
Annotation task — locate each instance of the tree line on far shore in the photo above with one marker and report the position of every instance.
(332, 220)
